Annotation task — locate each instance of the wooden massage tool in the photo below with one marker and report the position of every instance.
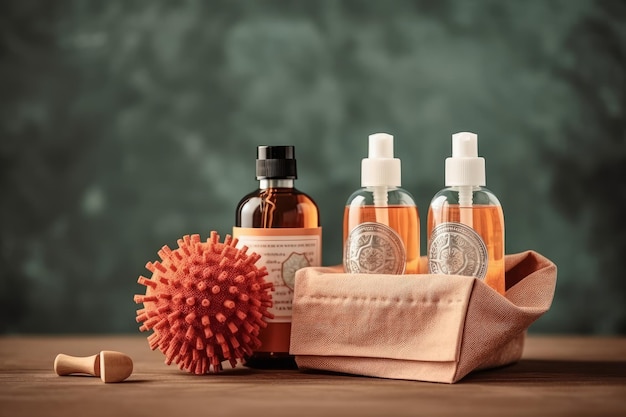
(205, 303)
(109, 365)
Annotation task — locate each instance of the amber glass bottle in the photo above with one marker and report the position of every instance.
(282, 224)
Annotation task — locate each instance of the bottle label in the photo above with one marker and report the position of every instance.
(283, 251)
(374, 248)
(456, 249)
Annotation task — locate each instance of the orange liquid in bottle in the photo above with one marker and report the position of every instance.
(403, 219)
(275, 209)
(488, 222)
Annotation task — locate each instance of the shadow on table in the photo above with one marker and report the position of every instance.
(531, 371)
(537, 371)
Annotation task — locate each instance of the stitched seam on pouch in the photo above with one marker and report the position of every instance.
(398, 300)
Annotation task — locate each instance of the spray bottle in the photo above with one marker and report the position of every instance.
(465, 226)
(381, 228)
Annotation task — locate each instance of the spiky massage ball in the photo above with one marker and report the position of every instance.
(205, 302)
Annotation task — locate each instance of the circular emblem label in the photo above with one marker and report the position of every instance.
(456, 249)
(374, 248)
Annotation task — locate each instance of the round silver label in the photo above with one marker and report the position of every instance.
(374, 248)
(456, 249)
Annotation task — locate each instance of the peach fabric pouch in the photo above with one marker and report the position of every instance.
(424, 327)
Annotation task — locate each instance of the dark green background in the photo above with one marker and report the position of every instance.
(126, 124)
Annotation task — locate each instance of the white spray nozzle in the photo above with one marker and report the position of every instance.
(380, 146)
(465, 167)
(380, 168)
(464, 145)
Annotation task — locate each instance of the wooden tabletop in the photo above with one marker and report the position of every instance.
(565, 376)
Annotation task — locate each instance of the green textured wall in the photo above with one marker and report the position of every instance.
(125, 125)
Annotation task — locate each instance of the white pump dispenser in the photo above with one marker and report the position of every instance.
(465, 169)
(380, 171)
(380, 168)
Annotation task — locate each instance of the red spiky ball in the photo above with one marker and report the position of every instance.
(205, 302)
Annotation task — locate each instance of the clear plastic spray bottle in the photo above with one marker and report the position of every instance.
(465, 226)
(381, 228)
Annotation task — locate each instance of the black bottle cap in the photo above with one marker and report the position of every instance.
(276, 162)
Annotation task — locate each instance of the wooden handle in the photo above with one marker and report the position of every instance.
(66, 365)
(109, 365)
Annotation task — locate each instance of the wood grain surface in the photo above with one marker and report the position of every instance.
(558, 375)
